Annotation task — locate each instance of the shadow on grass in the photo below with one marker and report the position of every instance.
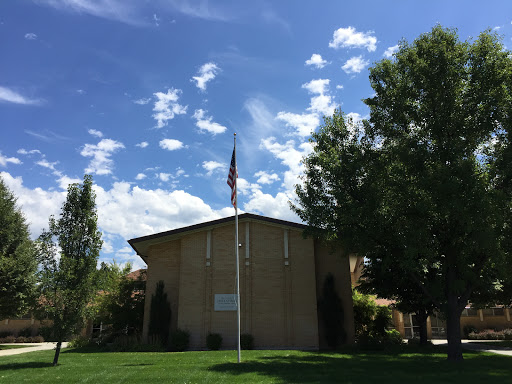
(135, 365)
(27, 365)
(370, 367)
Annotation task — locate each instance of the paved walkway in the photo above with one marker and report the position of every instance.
(479, 345)
(33, 347)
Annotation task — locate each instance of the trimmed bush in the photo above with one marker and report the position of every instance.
(213, 341)
(37, 339)
(79, 342)
(180, 340)
(8, 340)
(21, 339)
(246, 341)
(491, 334)
(467, 329)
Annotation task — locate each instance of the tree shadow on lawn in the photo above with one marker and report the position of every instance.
(26, 365)
(371, 367)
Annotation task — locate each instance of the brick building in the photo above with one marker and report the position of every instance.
(281, 280)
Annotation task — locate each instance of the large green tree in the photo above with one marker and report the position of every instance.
(18, 262)
(424, 185)
(69, 251)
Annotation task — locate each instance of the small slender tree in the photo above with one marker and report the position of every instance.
(18, 262)
(160, 314)
(332, 313)
(69, 251)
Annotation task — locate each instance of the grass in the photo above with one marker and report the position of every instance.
(2, 347)
(349, 366)
(497, 343)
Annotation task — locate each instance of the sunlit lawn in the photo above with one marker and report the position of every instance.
(405, 364)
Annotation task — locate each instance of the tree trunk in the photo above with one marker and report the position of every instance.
(57, 353)
(453, 334)
(422, 320)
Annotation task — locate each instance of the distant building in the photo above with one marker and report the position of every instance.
(281, 280)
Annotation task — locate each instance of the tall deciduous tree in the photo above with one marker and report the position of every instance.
(425, 184)
(69, 251)
(18, 263)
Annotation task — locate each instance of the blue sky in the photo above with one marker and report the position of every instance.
(146, 96)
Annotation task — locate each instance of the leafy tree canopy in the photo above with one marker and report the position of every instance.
(18, 262)
(69, 251)
(423, 188)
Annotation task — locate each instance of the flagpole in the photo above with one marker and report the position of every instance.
(237, 258)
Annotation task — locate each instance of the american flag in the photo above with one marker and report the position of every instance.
(231, 179)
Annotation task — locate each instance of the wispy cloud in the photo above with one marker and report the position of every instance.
(200, 9)
(207, 72)
(142, 144)
(355, 64)
(48, 136)
(316, 61)
(205, 123)
(30, 36)
(9, 96)
(142, 101)
(350, 38)
(390, 51)
(95, 133)
(167, 106)
(140, 176)
(4, 160)
(23, 151)
(120, 10)
(101, 163)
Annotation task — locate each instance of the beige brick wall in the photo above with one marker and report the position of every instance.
(337, 264)
(278, 295)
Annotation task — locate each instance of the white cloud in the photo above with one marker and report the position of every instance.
(101, 163)
(350, 38)
(23, 151)
(290, 156)
(171, 144)
(140, 176)
(207, 72)
(124, 210)
(142, 144)
(46, 164)
(355, 65)
(322, 103)
(142, 101)
(390, 51)
(10, 96)
(96, 133)
(64, 181)
(156, 19)
(120, 10)
(205, 123)
(37, 204)
(80, 92)
(303, 123)
(30, 36)
(317, 61)
(339, 86)
(4, 160)
(211, 166)
(271, 206)
(164, 176)
(266, 178)
(167, 106)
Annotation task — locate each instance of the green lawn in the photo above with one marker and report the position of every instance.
(403, 365)
(2, 347)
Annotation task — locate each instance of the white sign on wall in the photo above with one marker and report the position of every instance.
(225, 302)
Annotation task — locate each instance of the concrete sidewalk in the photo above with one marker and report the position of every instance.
(479, 345)
(33, 347)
